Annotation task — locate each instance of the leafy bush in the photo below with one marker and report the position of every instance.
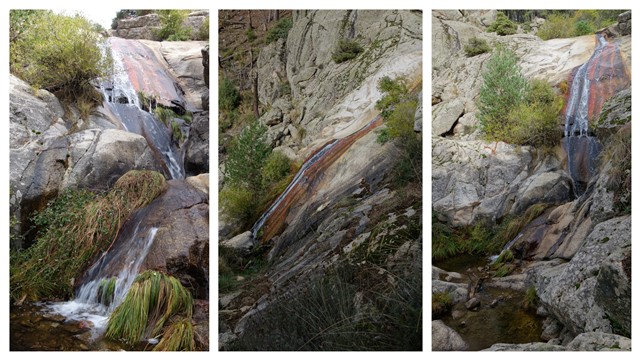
(203, 31)
(564, 24)
(228, 95)
(164, 115)
(504, 88)
(251, 35)
(582, 27)
(503, 26)
(57, 53)
(239, 203)
(617, 156)
(555, 26)
(398, 107)
(476, 46)
(441, 303)
(346, 49)
(534, 124)
(172, 25)
(279, 31)
(276, 167)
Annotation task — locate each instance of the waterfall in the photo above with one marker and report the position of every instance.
(593, 83)
(304, 176)
(577, 113)
(122, 100)
(121, 266)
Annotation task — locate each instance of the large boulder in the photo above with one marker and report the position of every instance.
(444, 338)
(575, 292)
(475, 180)
(624, 23)
(196, 159)
(181, 245)
(139, 27)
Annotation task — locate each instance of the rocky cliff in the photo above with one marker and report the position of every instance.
(348, 201)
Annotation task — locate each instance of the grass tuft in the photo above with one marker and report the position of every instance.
(153, 298)
(177, 337)
(74, 229)
(106, 290)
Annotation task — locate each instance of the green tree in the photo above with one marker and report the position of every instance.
(504, 88)
(246, 157)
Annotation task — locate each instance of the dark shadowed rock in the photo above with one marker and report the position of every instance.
(197, 147)
(181, 245)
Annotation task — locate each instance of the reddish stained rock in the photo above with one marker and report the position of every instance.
(148, 73)
(607, 74)
(275, 223)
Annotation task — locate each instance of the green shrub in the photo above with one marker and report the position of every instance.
(555, 26)
(276, 167)
(251, 35)
(57, 53)
(150, 303)
(164, 115)
(203, 31)
(504, 88)
(228, 95)
(617, 155)
(73, 230)
(503, 26)
(530, 301)
(279, 31)
(441, 303)
(346, 49)
(582, 27)
(505, 257)
(239, 203)
(246, 157)
(176, 132)
(394, 92)
(504, 270)
(534, 124)
(476, 46)
(172, 25)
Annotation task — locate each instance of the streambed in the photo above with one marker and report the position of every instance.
(500, 318)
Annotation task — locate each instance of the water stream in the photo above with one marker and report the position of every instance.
(310, 168)
(121, 98)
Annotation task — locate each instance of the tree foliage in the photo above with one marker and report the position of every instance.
(504, 87)
(246, 157)
(515, 110)
(172, 25)
(346, 49)
(58, 53)
(476, 46)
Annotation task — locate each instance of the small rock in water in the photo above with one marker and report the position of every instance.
(472, 303)
(457, 314)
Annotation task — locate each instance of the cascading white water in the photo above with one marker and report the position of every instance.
(577, 114)
(299, 176)
(122, 99)
(87, 305)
